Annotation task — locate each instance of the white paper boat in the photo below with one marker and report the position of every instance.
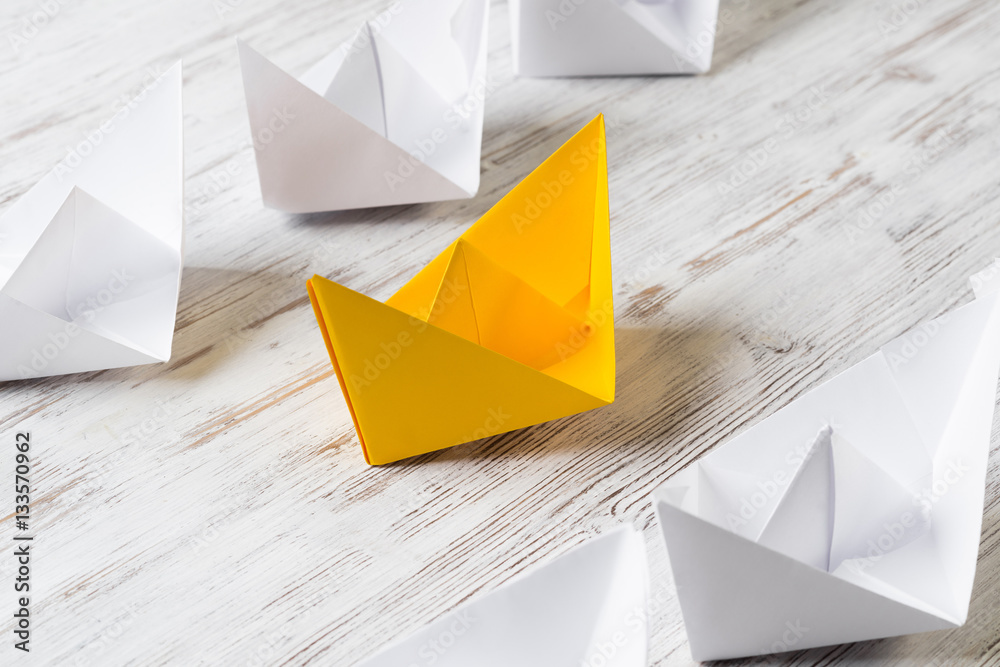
(90, 257)
(393, 116)
(586, 607)
(552, 38)
(853, 513)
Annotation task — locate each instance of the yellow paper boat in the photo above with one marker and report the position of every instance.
(512, 325)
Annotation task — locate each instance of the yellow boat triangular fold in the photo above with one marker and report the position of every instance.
(483, 303)
(511, 325)
(415, 388)
(453, 309)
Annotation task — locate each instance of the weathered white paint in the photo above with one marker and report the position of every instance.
(245, 523)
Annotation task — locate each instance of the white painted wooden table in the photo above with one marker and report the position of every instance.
(216, 509)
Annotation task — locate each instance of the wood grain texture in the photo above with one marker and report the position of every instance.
(216, 510)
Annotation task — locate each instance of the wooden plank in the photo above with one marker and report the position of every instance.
(216, 509)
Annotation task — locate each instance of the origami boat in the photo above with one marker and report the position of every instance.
(90, 268)
(393, 116)
(586, 607)
(853, 513)
(552, 38)
(511, 325)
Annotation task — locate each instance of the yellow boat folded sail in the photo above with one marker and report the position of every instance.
(512, 325)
